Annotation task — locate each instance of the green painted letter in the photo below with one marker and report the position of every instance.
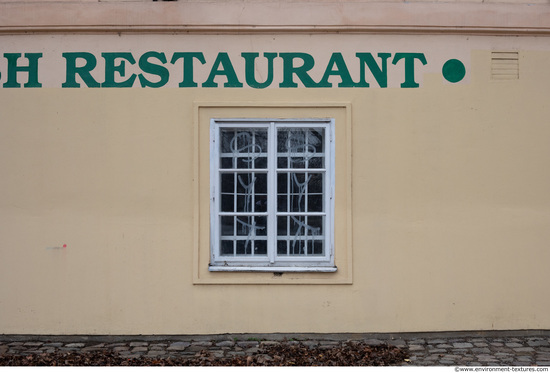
(83, 71)
(409, 67)
(301, 72)
(31, 69)
(227, 70)
(341, 70)
(111, 69)
(249, 68)
(188, 66)
(379, 73)
(151, 68)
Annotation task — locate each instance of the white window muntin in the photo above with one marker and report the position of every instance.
(270, 257)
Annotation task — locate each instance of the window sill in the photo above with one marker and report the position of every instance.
(271, 269)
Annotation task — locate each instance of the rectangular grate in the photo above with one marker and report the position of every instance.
(504, 65)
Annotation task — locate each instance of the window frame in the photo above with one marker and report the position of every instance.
(272, 262)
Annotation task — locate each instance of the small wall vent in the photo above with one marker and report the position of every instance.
(504, 65)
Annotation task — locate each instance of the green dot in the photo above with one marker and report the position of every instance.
(454, 71)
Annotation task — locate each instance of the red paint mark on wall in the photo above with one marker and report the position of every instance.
(56, 247)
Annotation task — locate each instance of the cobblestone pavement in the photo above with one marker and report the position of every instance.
(445, 350)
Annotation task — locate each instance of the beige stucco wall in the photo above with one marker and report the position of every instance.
(102, 195)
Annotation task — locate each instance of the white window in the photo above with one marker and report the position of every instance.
(271, 201)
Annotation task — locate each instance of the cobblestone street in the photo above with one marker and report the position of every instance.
(430, 350)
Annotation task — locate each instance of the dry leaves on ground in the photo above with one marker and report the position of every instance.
(348, 354)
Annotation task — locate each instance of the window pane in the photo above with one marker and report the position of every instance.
(298, 189)
(315, 184)
(260, 203)
(243, 148)
(304, 147)
(226, 136)
(226, 162)
(260, 139)
(317, 248)
(304, 248)
(282, 182)
(304, 230)
(300, 235)
(282, 139)
(315, 203)
(251, 226)
(251, 192)
(315, 224)
(227, 183)
(251, 247)
(260, 162)
(244, 247)
(245, 182)
(282, 247)
(260, 185)
(316, 162)
(282, 225)
(228, 225)
(244, 162)
(226, 248)
(282, 203)
(260, 247)
(302, 190)
(306, 225)
(243, 235)
(227, 202)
